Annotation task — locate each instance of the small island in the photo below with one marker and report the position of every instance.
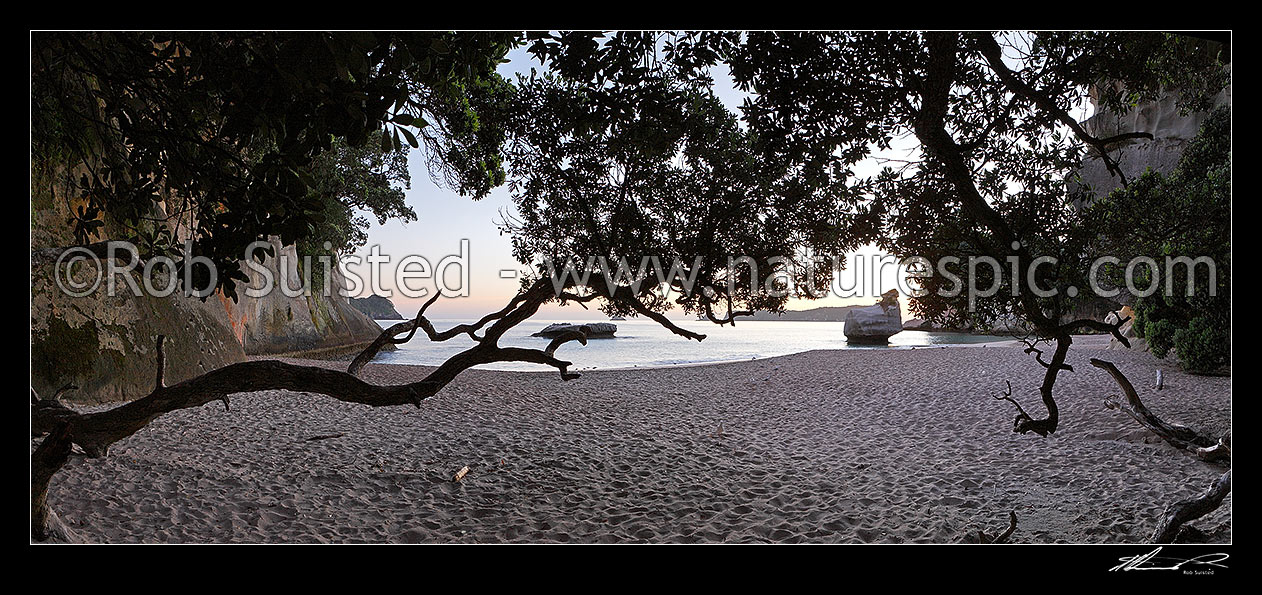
(593, 330)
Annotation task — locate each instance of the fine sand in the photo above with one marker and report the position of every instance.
(851, 446)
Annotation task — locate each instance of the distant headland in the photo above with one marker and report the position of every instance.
(821, 314)
(377, 308)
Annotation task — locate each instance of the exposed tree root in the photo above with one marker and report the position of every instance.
(1178, 436)
(984, 537)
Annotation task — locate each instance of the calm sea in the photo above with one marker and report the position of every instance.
(643, 343)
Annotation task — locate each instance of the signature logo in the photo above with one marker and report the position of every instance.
(1151, 561)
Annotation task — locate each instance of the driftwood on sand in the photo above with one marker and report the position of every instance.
(986, 538)
(1178, 436)
(1217, 452)
(1185, 511)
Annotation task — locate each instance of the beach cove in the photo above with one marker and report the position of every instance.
(826, 446)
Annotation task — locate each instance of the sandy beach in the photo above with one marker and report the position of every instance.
(851, 446)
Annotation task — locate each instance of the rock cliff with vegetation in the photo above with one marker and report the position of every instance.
(311, 321)
(377, 307)
(1177, 205)
(103, 345)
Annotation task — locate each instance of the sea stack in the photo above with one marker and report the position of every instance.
(593, 330)
(875, 324)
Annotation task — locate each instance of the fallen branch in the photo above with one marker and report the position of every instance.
(1188, 510)
(1179, 436)
(95, 432)
(1217, 452)
(48, 458)
(325, 437)
(983, 537)
(159, 382)
(1183, 438)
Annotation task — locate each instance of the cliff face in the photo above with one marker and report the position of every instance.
(105, 345)
(277, 323)
(1171, 132)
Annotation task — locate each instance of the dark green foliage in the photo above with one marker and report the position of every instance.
(1186, 213)
(617, 154)
(620, 150)
(351, 183)
(1204, 345)
(991, 147)
(223, 128)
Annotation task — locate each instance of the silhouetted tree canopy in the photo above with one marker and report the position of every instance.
(350, 183)
(989, 137)
(222, 129)
(620, 148)
(621, 156)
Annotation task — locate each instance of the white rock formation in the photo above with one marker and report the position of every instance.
(873, 324)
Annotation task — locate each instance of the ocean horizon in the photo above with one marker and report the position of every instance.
(642, 343)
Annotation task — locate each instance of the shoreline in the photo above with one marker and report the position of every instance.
(345, 355)
(821, 447)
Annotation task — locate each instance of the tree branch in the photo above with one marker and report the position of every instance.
(161, 364)
(1188, 510)
(991, 51)
(48, 458)
(1178, 436)
(983, 537)
(1114, 329)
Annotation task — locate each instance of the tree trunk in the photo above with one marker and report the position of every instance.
(47, 460)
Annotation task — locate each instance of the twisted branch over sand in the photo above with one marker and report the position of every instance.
(95, 432)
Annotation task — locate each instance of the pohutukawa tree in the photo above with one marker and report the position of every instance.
(650, 164)
(619, 153)
(221, 139)
(996, 143)
(617, 168)
(235, 135)
(991, 117)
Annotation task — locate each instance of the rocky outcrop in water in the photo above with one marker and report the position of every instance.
(593, 330)
(918, 324)
(875, 323)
